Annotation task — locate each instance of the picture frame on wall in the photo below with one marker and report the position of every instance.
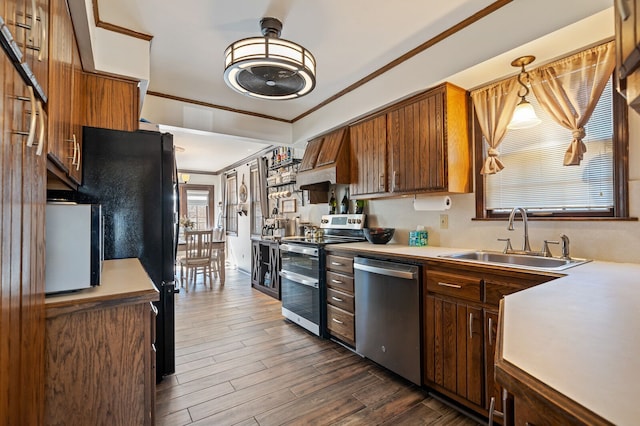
(289, 206)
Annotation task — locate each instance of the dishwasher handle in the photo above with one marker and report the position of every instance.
(389, 270)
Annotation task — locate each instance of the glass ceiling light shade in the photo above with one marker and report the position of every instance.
(269, 67)
(524, 115)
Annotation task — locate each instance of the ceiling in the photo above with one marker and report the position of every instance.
(349, 39)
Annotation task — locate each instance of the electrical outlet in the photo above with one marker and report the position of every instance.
(444, 221)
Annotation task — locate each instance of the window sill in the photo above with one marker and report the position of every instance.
(559, 218)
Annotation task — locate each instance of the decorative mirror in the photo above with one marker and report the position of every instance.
(242, 193)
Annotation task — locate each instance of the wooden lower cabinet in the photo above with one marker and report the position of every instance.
(341, 308)
(100, 363)
(460, 308)
(454, 361)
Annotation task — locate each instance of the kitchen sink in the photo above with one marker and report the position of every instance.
(518, 260)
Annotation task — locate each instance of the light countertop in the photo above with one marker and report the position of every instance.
(579, 334)
(122, 281)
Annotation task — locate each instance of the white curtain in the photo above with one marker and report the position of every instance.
(494, 106)
(569, 89)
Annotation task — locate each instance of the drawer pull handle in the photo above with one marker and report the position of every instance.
(337, 264)
(337, 299)
(336, 281)
(335, 320)
(440, 283)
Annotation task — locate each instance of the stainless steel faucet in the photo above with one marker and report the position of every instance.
(564, 246)
(523, 212)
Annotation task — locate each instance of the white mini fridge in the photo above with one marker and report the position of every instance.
(74, 244)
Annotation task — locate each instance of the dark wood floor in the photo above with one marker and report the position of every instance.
(238, 362)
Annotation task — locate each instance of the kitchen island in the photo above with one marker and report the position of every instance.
(99, 355)
(573, 340)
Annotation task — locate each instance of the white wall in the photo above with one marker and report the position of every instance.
(239, 246)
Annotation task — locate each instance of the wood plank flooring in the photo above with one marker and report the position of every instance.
(238, 362)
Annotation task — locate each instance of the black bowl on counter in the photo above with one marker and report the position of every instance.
(378, 235)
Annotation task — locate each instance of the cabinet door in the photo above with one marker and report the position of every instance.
(21, 255)
(453, 348)
(274, 267)
(369, 156)
(255, 263)
(60, 85)
(77, 113)
(112, 104)
(416, 145)
(492, 388)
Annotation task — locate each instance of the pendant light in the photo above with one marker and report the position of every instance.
(524, 115)
(269, 67)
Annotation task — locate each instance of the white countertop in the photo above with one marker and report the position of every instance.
(121, 279)
(579, 334)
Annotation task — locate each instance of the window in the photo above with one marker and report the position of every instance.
(231, 203)
(535, 178)
(256, 210)
(196, 203)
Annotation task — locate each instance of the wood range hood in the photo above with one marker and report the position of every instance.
(326, 162)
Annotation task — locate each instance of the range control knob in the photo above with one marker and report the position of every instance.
(358, 221)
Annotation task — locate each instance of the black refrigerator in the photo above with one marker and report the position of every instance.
(133, 176)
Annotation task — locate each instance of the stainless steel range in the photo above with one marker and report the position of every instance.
(302, 284)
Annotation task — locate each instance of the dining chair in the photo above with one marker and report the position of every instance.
(216, 253)
(197, 258)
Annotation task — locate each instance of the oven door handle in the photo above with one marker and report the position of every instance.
(300, 279)
(293, 248)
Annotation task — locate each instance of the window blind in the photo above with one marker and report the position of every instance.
(534, 176)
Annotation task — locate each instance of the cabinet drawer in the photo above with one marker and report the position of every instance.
(340, 300)
(341, 323)
(340, 281)
(459, 286)
(340, 263)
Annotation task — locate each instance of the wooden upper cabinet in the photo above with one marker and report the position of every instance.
(429, 145)
(420, 145)
(311, 154)
(369, 156)
(74, 145)
(28, 22)
(60, 84)
(111, 103)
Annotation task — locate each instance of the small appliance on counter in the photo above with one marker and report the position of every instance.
(74, 246)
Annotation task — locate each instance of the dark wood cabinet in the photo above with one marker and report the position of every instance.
(22, 240)
(265, 267)
(627, 30)
(420, 145)
(454, 359)
(60, 103)
(460, 331)
(341, 309)
(369, 156)
(99, 351)
(110, 103)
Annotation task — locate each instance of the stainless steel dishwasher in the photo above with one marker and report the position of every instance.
(387, 298)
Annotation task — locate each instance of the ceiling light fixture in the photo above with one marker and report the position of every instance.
(269, 67)
(524, 115)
